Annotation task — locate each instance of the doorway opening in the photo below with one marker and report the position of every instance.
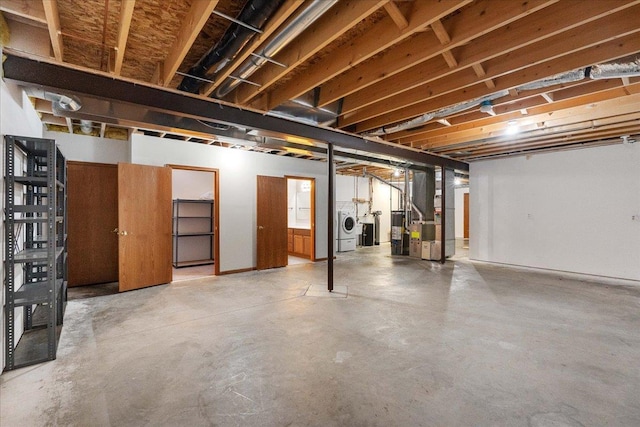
(301, 222)
(195, 213)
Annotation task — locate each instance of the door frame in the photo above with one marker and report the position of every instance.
(216, 210)
(312, 257)
(465, 221)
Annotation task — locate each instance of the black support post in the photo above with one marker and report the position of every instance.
(443, 216)
(330, 214)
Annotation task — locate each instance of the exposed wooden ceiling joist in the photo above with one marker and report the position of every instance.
(426, 45)
(286, 10)
(339, 19)
(389, 95)
(191, 26)
(53, 23)
(386, 35)
(402, 61)
(126, 13)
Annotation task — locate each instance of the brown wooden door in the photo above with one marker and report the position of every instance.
(466, 215)
(272, 222)
(144, 223)
(92, 212)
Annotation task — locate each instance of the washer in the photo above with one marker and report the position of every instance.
(346, 231)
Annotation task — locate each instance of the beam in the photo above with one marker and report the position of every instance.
(64, 78)
(363, 48)
(283, 13)
(53, 24)
(126, 13)
(334, 23)
(194, 21)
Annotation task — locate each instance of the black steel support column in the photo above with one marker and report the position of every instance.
(330, 213)
(443, 215)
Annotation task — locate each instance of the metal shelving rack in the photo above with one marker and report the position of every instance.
(36, 241)
(202, 226)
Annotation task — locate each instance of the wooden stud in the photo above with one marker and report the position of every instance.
(192, 24)
(53, 24)
(69, 125)
(548, 97)
(396, 14)
(103, 129)
(440, 32)
(126, 13)
(449, 59)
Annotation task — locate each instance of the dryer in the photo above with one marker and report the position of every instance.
(346, 230)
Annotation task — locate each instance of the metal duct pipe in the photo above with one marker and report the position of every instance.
(255, 14)
(86, 126)
(384, 181)
(297, 26)
(612, 70)
(407, 201)
(65, 102)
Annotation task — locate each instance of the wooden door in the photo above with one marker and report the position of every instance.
(466, 215)
(272, 222)
(92, 212)
(144, 223)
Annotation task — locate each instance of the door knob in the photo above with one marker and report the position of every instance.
(123, 233)
(115, 230)
(260, 227)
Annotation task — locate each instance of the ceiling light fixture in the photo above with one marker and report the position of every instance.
(512, 127)
(487, 107)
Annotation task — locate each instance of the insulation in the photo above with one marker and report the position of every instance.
(4, 31)
(608, 71)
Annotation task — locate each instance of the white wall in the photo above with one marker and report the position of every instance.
(17, 117)
(568, 211)
(188, 184)
(459, 195)
(238, 185)
(85, 148)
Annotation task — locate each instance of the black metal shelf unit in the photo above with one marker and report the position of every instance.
(35, 249)
(192, 220)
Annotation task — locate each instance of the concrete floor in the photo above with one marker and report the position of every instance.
(414, 343)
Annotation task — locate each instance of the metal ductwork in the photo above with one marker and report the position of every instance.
(484, 101)
(86, 126)
(405, 195)
(64, 102)
(568, 77)
(254, 14)
(314, 11)
(616, 70)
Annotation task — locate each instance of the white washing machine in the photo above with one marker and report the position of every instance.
(346, 231)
